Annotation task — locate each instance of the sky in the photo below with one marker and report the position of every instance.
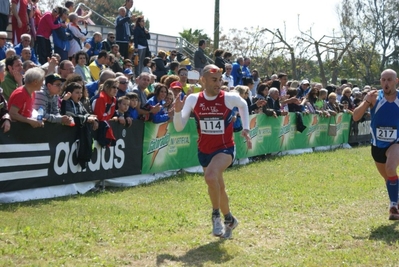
(172, 17)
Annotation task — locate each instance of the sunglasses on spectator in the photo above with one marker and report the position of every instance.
(228, 68)
(123, 82)
(112, 37)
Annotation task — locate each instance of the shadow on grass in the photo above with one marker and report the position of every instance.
(213, 252)
(387, 233)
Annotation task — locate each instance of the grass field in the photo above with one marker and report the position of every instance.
(319, 209)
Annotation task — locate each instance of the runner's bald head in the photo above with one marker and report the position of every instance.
(390, 72)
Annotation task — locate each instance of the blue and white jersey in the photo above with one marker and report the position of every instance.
(384, 121)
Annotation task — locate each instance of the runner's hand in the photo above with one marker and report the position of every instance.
(179, 103)
(245, 134)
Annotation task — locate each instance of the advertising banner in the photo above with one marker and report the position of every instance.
(32, 158)
(271, 134)
(166, 149)
(41, 157)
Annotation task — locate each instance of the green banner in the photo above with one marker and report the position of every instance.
(165, 149)
(271, 134)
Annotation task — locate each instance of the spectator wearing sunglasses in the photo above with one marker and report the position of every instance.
(106, 44)
(123, 86)
(172, 56)
(4, 45)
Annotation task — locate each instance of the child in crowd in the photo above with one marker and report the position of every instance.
(147, 65)
(122, 115)
(103, 105)
(134, 100)
(73, 106)
(321, 104)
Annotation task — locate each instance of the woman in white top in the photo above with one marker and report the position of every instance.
(78, 36)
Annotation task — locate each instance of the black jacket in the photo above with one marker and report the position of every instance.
(219, 61)
(160, 68)
(140, 37)
(272, 106)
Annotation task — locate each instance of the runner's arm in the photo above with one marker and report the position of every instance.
(180, 118)
(234, 100)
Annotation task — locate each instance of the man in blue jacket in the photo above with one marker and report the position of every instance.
(25, 42)
(123, 30)
(237, 71)
(60, 37)
(95, 44)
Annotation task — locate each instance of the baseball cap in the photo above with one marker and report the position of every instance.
(128, 71)
(54, 77)
(176, 85)
(305, 82)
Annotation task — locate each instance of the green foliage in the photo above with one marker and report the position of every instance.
(193, 37)
(317, 209)
(376, 27)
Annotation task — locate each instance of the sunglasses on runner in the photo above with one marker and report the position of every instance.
(215, 70)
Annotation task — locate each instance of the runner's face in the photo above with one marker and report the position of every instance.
(212, 82)
(388, 81)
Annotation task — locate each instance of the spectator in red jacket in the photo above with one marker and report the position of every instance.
(103, 106)
(44, 30)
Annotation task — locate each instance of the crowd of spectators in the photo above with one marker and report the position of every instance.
(88, 81)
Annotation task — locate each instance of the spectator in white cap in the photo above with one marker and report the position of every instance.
(303, 89)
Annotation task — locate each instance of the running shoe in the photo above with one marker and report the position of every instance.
(393, 214)
(218, 227)
(228, 228)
